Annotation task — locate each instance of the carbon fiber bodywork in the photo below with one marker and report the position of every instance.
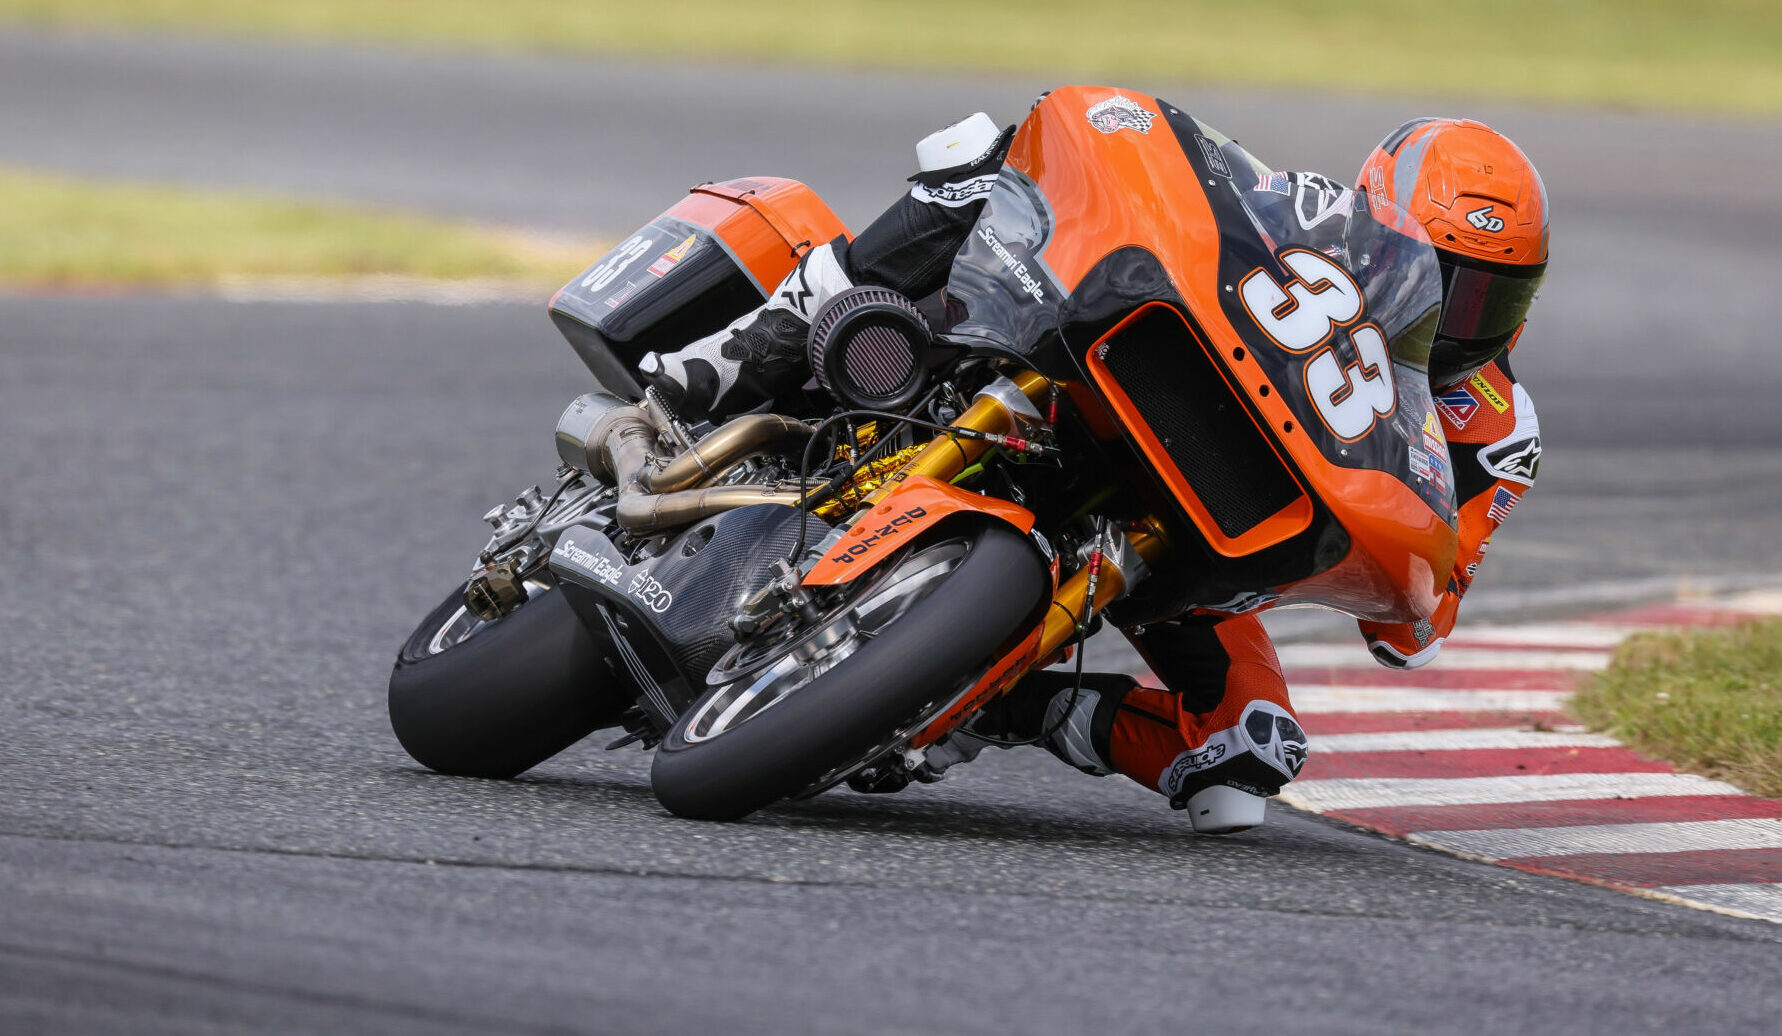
(668, 613)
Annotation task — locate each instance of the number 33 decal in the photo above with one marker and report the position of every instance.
(1304, 315)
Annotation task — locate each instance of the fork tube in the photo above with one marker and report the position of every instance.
(1066, 612)
(947, 455)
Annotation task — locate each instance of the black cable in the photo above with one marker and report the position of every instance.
(872, 455)
(804, 463)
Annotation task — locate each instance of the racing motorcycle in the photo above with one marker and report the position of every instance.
(1161, 378)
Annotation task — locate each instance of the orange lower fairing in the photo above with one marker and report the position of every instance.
(1399, 558)
(910, 507)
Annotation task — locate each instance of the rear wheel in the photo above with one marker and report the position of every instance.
(801, 714)
(494, 699)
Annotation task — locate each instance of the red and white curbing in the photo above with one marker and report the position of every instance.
(1474, 756)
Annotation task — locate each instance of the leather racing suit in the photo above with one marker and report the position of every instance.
(1222, 716)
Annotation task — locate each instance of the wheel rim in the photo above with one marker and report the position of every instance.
(811, 654)
(462, 624)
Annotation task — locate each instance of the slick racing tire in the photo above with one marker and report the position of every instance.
(495, 699)
(942, 609)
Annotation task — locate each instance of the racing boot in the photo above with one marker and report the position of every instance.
(760, 356)
(1220, 766)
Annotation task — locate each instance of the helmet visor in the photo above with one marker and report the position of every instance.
(1486, 303)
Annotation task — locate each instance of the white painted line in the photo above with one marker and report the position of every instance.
(1311, 699)
(1374, 792)
(1460, 740)
(1550, 634)
(1757, 899)
(1757, 602)
(1690, 836)
(1307, 655)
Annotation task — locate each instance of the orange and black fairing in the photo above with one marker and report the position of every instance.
(711, 257)
(1258, 341)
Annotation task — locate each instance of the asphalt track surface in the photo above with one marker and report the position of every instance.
(221, 518)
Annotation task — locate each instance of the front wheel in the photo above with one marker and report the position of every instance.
(842, 693)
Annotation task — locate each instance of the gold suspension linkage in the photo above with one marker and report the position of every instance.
(869, 477)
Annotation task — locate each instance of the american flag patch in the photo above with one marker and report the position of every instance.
(1501, 502)
(1276, 182)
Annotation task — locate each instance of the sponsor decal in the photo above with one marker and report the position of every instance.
(1433, 441)
(1484, 220)
(1437, 468)
(671, 258)
(617, 298)
(1118, 113)
(1422, 630)
(598, 565)
(645, 588)
(866, 539)
(1420, 463)
(1275, 183)
(1517, 461)
(1502, 502)
(1459, 405)
(953, 195)
(1193, 762)
(1215, 158)
(1487, 393)
(1030, 284)
(1376, 183)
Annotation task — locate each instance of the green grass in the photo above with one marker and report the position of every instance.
(1708, 701)
(57, 231)
(1723, 55)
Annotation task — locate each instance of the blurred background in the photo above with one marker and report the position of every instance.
(272, 336)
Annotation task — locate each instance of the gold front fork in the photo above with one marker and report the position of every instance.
(947, 455)
(1073, 606)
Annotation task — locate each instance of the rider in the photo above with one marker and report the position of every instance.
(1222, 736)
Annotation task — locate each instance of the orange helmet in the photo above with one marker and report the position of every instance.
(1485, 209)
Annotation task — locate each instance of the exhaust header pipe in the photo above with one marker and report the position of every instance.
(615, 440)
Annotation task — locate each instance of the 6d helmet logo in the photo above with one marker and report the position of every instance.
(1484, 220)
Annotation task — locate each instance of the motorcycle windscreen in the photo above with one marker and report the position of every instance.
(1341, 309)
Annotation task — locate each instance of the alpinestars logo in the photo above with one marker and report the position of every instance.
(1118, 113)
(1484, 220)
(953, 195)
(1518, 461)
(1193, 762)
(799, 298)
